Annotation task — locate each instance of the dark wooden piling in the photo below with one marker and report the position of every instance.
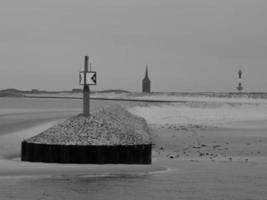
(86, 154)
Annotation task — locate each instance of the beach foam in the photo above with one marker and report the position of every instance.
(210, 114)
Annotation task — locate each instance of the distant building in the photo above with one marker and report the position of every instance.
(240, 86)
(34, 91)
(146, 87)
(76, 90)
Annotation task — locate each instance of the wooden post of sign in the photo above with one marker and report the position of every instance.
(86, 90)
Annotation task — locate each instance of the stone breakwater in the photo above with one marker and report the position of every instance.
(111, 135)
(112, 125)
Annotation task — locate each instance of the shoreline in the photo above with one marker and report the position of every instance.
(159, 99)
(191, 144)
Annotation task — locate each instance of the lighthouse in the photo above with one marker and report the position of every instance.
(240, 86)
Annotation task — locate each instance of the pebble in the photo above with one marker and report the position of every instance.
(112, 125)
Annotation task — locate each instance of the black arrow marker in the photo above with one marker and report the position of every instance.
(94, 78)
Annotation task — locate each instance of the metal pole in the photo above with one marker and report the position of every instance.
(86, 91)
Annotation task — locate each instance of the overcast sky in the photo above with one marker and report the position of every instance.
(189, 45)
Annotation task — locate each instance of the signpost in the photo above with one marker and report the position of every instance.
(87, 78)
(90, 78)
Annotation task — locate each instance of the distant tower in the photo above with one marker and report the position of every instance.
(240, 87)
(146, 83)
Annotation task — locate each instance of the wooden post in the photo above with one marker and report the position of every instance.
(86, 90)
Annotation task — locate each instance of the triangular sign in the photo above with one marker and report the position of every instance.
(94, 78)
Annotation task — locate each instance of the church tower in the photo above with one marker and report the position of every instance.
(146, 83)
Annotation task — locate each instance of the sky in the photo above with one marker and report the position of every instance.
(188, 45)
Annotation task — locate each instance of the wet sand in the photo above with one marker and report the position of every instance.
(206, 143)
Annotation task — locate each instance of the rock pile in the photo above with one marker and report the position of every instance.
(112, 125)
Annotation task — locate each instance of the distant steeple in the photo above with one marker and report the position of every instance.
(146, 76)
(146, 82)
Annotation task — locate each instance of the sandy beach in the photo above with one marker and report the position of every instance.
(224, 147)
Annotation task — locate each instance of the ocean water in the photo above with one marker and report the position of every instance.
(25, 104)
(182, 179)
(20, 113)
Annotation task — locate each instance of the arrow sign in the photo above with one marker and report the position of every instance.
(93, 78)
(90, 78)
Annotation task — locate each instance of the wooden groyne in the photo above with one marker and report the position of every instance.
(109, 136)
(89, 154)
